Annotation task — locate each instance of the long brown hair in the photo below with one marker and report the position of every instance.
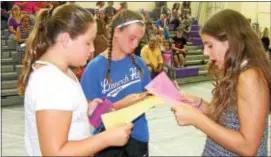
(244, 47)
(68, 18)
(121, 18)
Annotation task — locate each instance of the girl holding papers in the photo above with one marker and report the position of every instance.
(119, 76)
(236, 119)
(56, 122)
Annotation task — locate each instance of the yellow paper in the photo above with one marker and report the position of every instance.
(130, 113)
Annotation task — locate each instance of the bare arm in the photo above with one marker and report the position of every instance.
(54, 141)
(253, 103)
(18, 34)
(177, 49)
(185, 49)
(11, 29)
(129, 100)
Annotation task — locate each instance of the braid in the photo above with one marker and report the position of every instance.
(132, 57)
(109, 58)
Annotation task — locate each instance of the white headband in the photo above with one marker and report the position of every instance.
(130, 22)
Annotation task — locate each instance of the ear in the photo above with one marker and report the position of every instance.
(65, 40)
(117, 32)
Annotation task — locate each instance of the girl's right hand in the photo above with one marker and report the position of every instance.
(119, 135)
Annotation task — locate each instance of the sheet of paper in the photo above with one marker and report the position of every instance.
(95, 118)
(163, 87)
(128, 114)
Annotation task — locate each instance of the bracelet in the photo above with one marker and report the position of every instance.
(200, 103)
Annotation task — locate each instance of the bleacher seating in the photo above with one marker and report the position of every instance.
(195, 62)
(9, 74)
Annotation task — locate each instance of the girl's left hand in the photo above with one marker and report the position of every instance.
(185, 114)
(93, 104)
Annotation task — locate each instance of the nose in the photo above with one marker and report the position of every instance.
(206, 52)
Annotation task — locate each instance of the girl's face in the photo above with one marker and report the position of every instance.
(81, 48)
(215, 49)
(166, 46)
(15, 12)
(26, 21)
(101, 15)
(152, 43)
(129, 37)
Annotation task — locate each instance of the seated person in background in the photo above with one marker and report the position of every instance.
(186, 26)
(186, 8)
(175, 20)
(164, 33)
(159, 41)
(151, 54)
(166, 11)
(22, 34)
(28, 8)
(176, 7)
(110, 11)
(179, 48)
(99, 6)
(123, 6)
(101, 40)
(162, 22)
(167, 53)
(24, 29)
(14, 21)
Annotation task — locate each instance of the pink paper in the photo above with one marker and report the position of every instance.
(163, 87)
(95, 118)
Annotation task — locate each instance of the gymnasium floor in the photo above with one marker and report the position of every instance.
(167, 138)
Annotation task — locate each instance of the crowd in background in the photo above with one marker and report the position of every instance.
(158, 47)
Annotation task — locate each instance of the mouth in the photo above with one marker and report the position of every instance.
(213, 62)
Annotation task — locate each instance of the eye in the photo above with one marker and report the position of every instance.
(132, 38)
(210, 46)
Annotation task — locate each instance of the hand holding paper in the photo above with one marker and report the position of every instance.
(95, 117)
(163, 87)
(129, 114)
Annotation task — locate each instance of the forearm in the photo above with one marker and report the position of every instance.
(122, 104)
(177, 49)
(184, 50)
(12, 30)
(232, 140)
(86, 147)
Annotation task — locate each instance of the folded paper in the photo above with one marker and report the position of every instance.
(163, 87)
(104, 107)
(130, 113)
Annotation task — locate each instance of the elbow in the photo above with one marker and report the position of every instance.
(56, 153)
(248, 150)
